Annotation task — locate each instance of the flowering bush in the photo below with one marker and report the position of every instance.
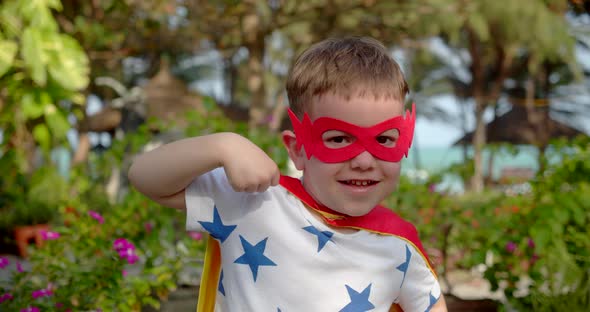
(559, 228)
(501, 241)
(539, 243)
(534, 248)
(119, 259)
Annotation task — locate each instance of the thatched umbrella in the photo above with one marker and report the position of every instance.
(168, 98)
(514, 127)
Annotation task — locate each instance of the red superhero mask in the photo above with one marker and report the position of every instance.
(310, 134)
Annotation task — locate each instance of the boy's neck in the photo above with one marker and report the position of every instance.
(341, 230)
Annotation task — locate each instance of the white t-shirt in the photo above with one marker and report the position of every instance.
(277, 257)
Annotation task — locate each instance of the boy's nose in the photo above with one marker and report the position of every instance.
(363, 161)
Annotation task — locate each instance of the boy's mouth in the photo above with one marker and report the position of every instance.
(359, 182)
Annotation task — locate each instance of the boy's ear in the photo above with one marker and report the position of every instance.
(297, 156)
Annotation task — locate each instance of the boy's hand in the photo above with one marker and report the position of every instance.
(248, 168)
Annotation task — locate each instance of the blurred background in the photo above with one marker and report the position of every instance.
(497, 179)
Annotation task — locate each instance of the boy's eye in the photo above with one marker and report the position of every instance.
(387, 140)
(337, 139)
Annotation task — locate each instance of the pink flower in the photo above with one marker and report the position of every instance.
(42, 293)
(96, 216)
(59, 305)
(129, 255)
(148, 227)
(432, 188)
(531, 243)
(195, 235)
(4, 262)
(124, 273)
(30, 309)
(122, 244)
(126, 250)
(6, 297)
(534, 258)
(510, 247)
(48, 235)
(19, 267)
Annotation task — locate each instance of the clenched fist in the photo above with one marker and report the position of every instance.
(248, 168)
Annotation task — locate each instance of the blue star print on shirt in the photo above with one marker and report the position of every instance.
(359, 302)
(433, 300)
(323, 237)
(220, 287)
(404, 266)
(254, 256)
(216, 228)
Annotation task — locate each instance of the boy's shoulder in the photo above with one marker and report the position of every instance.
(384, 220)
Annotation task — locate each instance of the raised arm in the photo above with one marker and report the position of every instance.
(163, 173)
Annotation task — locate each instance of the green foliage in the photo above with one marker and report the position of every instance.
(84, 255)
(28, 200)
(561, 214)
(39, 68)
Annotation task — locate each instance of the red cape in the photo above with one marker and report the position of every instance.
(379, 220)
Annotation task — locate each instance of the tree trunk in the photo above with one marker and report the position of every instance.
(538, 118)
(254, 41)
(83, 148)
(465, 131)
(504, 56)
(255, 80)
(479, 140)
(477, 91)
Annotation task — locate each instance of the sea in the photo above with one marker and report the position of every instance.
(424, 161)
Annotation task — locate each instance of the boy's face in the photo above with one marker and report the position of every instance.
(357, 185)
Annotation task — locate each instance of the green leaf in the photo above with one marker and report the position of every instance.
(34, 55)
(41, 135)
(541, 235)
(69, 64)
(56, 121)
(34, 106)
(38, 13)
(8, 50)
(151, 302)
(10, 20)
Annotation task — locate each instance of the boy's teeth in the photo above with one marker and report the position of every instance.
(358, 182)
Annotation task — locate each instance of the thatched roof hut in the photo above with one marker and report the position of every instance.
(168, 98)
(514, 127)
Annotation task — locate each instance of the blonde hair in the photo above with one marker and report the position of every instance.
(351, 66)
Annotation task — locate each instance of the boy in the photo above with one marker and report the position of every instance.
(321, 243)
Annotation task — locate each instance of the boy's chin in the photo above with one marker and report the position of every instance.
(355, 211)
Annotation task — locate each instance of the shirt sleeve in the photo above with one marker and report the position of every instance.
(420, 290)
(211, 202)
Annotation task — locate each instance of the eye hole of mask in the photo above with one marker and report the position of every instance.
(335, 139)
(388, 138)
